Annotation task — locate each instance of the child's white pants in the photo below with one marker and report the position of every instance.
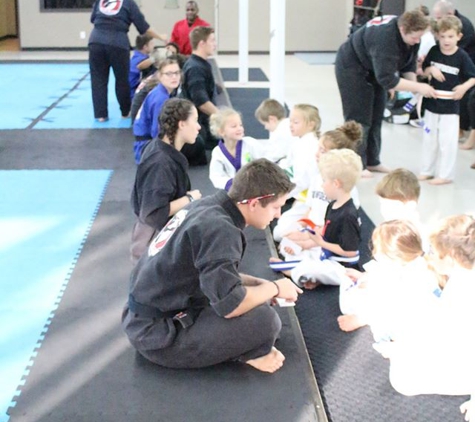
(326, 272)
(440, 145)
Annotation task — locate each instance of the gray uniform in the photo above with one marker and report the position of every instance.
(192, 266)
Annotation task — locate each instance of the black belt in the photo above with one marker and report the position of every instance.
(149, 311)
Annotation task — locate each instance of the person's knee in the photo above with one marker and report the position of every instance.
(266, 322)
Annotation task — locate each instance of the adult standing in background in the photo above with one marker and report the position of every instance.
(198, 85)
(109, 47)
(379, 57)
(181, 29)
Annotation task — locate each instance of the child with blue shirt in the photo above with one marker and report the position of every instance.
(141, 62)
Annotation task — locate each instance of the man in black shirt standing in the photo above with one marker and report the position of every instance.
(198, 85)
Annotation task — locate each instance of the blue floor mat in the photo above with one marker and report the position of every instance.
(29, 89)
(45, 217)
(76, 112)
(327, 58)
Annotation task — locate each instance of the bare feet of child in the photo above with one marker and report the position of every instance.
(379, 169)
(423, 177)
(366, 174)
(285, 272)
(310, 285)
(469, 142)
(349, 323)
(439, 181)
(271, 362)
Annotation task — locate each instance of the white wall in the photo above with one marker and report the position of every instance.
(312, 25)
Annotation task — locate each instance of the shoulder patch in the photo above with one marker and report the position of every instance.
(162, 238)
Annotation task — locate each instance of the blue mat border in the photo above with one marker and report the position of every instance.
(62, 289)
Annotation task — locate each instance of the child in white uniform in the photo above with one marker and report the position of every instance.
(346, 136)
(340, 236)
(233, 151)
(395, 288)
(271, 114)
(436, 355)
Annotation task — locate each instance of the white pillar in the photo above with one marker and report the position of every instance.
(216, 25)
(277, 50)
(243, 41)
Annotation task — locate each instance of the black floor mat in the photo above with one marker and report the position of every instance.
(255, 74)
(246, 100)
(352, 377)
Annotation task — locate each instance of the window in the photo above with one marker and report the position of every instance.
(65, 5)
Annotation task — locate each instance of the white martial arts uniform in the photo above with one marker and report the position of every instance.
(436, 356)
(223, 166)
(277, 147)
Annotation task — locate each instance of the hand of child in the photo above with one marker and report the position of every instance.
(459, 92)
(437, 74)
(468, 408)
(317, 238)
(353, 274)
(297, 236)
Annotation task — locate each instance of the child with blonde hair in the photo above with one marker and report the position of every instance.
(233, 151)
(305, 123)
(271, 114)
(396, 286)
(289, 224)
(436, 355)
(339, 237)
(399, 193)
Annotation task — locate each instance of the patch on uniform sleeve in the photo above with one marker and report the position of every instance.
(159, 242)
(110, 7)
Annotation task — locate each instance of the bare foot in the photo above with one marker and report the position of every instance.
(467, 145)
(439, 181)
(423, 177)
(366, 174)
(310, 285)
(271, 362)
(349, 323)
(126, 117)
(285, 272)
(379, 169)
(102, 119)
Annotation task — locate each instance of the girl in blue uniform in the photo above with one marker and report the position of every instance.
(146, 125)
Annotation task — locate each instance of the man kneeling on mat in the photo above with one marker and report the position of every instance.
(189, 307)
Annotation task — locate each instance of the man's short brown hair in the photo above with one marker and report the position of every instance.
(200, 33)
(400, 185)
(258, 178)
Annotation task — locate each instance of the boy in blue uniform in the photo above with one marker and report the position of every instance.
(141, 62)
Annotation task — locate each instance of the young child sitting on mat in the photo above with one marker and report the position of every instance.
(340, 236)
(396, 286)
(271, 114)
(435, 355)
(398, 193)
(233, 151)
(289, 225)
